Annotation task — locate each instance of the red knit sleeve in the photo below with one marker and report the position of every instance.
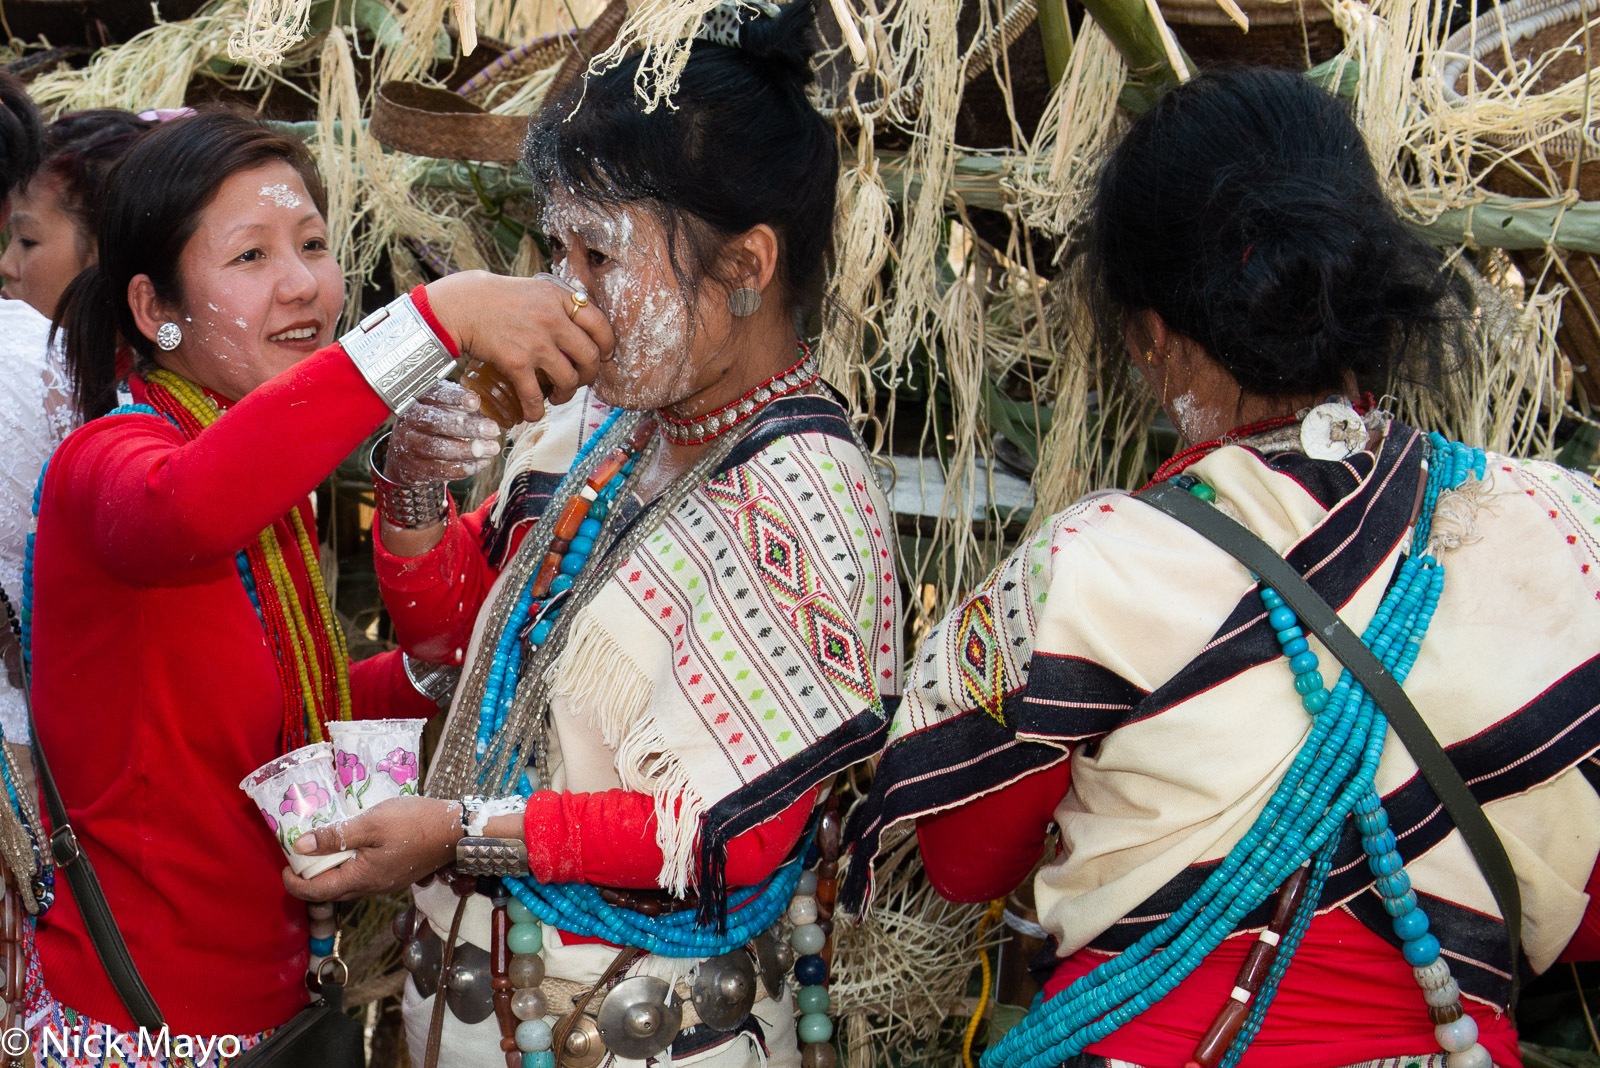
(609, 839)
(985, 848)
(434, 598)
(1585, 944)
(419, 298)
(157, 507)
(379, 689)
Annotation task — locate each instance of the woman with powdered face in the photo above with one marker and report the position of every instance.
(180, 633)
(677, 620)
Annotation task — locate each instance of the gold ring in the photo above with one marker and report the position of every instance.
(580, 301)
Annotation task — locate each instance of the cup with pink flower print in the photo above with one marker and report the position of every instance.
(296, 793)
(377, 759)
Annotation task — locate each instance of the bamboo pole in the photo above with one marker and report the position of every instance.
(1056, 32)
(980, 181)
(1132, 28)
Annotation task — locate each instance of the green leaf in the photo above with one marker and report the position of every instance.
(1022, 423)
(372, 16)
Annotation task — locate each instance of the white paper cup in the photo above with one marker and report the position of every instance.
(296, 793)
(376, 759)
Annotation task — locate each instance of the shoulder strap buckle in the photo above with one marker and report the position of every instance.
(64, 847)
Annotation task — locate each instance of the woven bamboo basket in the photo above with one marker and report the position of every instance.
(1294, 34)
(1534, 29)
(447, 124)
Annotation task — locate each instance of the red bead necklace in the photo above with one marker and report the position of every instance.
(703, 428)
(1194, 453)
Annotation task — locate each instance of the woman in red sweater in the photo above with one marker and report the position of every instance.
(1247, 873)
(677, 621)
(180, 633)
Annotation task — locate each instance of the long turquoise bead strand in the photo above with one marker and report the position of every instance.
(505, 668)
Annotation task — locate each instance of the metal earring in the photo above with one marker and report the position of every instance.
(744, 302)
(1149, 355)
(169, 336)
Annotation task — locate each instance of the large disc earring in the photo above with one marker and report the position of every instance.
(169, 336)
(744, 302)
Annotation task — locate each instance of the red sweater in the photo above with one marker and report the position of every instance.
(605, 838)
(156, 692)
(985, 848)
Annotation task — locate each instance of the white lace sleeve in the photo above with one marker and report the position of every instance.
(35, 414)
(61, 418)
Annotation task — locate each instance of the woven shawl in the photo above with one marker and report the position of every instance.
(742, 653)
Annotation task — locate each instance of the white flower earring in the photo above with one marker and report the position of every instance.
(169, 336)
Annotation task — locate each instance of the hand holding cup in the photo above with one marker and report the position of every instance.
(526, 328)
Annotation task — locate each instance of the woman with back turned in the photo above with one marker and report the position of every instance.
(1249, 872)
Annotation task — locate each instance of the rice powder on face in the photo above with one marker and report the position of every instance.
(637, 292)
(281, 195)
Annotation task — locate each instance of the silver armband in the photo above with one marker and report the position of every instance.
(409, 507)
(437, 682)
(398, 353)
(491, 856)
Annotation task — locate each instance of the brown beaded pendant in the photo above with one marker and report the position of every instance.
(1257, 963)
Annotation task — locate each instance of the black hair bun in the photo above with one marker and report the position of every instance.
(787, 40)
(1244, 210)
(21, 138)
(742, 146)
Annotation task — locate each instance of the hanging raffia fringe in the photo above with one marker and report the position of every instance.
(898, 975)
(151, 70)
(271, 28)
(862, 242)
(1054, 178)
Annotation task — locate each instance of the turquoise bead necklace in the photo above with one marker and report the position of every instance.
(1330, 779)
(500, 687)
(579, 908)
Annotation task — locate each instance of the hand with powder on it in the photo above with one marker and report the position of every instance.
(524, 327)
(442, 437)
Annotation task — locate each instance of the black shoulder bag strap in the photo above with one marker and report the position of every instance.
(91, 900)
(1317, 617)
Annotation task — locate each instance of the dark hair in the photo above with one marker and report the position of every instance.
(19, 134)
(1243, 209)
(153, 200)
(79, 151)
(739, 145)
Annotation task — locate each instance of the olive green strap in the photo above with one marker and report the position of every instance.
(1319, 619)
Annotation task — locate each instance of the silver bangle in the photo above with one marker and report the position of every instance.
(491, 856)
(398, 353)
(437, 682)
(400, 505)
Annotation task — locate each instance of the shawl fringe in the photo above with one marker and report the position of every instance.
(601, 682)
